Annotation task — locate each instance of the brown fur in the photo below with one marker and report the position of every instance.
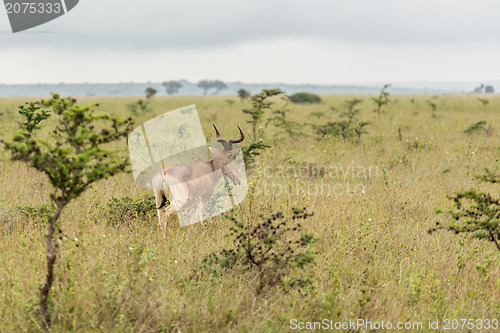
(193, 184)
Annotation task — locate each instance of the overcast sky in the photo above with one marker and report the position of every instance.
(291, 41)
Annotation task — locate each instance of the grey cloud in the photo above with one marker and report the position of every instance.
(158, 24)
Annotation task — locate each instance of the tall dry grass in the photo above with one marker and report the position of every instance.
(374, 259)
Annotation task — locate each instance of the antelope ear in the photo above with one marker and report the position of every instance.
(215, 151)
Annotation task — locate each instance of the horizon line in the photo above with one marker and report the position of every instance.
(266, 83)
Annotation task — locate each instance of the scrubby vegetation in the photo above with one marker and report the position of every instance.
(270, 248)
(74, 158)
(127, 210)
(348, 126)
(479, 126)
(382, 99)
(139, 107)
(476, 213)
(305, 98)
(373, 198)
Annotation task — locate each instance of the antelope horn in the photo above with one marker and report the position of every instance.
(219, 139)
(242, 137)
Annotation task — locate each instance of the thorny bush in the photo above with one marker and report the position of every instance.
(273, 248)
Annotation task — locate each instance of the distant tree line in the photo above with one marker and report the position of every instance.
(172, 87)
(207, 85)
(484, 89)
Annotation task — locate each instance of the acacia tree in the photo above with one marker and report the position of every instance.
(218, 85)
(206, 85)
(350, 105)
(243, 94)
(348, 126)
(259, 105)
(475, 213)
(77, 156)
(150, 92)
(272, 248)
(172, 87)
(382, 99)
(281, 120)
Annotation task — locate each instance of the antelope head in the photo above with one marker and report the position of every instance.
(225, 159)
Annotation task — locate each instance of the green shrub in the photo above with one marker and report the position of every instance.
(39, 214)
(382, 99)
(243, 94)
(476, 213)
(75, 155)
(348, 127)
(260, 103)
(477, 127)
(318, 114)
(126, 210)
(305, 98)
(139, 107)
(253, 149)
(272, 248)
(433, 107)
(415, 145)
(280, 120)
(483, 101)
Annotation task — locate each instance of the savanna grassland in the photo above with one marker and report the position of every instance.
(373, 203)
